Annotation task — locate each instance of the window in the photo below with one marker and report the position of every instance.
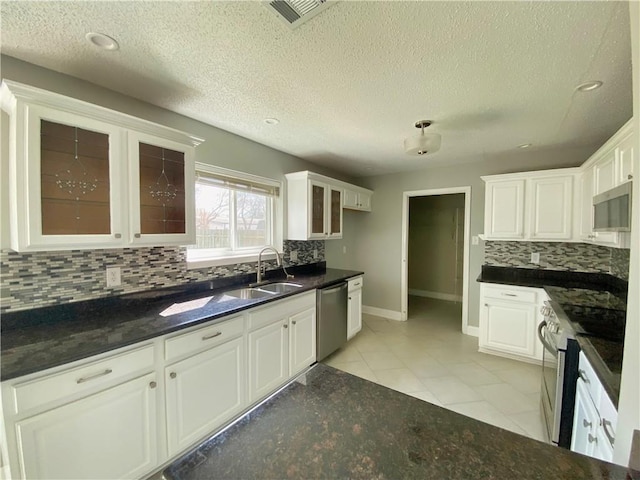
(235, 215)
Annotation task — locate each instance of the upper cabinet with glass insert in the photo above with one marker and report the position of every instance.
(82, 176)
(315, 204)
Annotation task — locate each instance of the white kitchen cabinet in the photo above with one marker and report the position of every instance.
(551, 207)
(357, 199)
(314, 207)
(79, 180)
(504, 209)
(509, 317)
(204, 391)
(585, 422)
(111, 434)
(605, 172)
(281, 342)
(626, 154)
(302, 340)
(354, 312)
(595, 416)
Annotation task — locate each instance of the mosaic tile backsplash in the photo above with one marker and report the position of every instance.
(31, 280)
(577, 257)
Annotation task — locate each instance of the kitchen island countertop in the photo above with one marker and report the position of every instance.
(335, 425)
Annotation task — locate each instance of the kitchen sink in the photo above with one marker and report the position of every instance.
(280, 287)
(249, 293)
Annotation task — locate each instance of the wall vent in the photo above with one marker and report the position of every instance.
(296, 12)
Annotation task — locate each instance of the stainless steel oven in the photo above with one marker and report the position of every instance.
(559, 374)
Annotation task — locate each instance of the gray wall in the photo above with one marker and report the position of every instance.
(435, 258)
(376, 248)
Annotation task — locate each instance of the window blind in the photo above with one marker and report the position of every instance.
(238, 184)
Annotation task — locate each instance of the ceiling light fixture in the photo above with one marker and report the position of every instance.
(102, 41)
(589, 86)
(423, 143)
(271, 121)
(525, 145)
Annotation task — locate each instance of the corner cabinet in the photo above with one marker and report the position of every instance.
(315, 204)
(83, 176)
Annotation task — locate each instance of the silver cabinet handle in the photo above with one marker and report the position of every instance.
(173, 374)
(137, 235)
(605, 426)
(293, 322)
(509, 295)
(118, 235)
(629, 177)
(153, 385)
(92, 377)
(592, 439)
(285, 326)
(586, 424)
(349, 298)
(583, 375)
(213, 335)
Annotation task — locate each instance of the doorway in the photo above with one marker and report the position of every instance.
(435, 250)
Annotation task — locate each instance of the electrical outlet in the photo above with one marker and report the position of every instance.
(293, 255)
(113, 277)
(344, 249)
(315, 253)
(475, 240)
(535, 258)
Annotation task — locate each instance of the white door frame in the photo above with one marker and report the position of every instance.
(404, 281)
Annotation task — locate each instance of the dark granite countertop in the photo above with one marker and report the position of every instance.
(34, 340)
(331, 424)
(595, 305)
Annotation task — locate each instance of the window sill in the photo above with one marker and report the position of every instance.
(229, 260)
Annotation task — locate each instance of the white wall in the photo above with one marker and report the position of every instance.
(435, 258)
(374, 240)
(220, 148)
(629, 403)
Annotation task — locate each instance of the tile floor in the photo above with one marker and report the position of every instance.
(429, 358)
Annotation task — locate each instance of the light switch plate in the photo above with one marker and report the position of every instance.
(293, 255)
(475, 240)
(535, 258)
(315, 253)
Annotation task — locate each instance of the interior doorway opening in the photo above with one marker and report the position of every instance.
(436, 252)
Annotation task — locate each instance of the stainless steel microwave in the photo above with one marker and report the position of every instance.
(612, 210)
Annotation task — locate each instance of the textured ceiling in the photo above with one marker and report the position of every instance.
(348, 85)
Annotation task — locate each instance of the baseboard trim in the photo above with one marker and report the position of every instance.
(510, 356)
(437, 295)
(473, 331)
(382, 312)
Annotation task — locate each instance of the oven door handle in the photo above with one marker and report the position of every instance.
(545, 344)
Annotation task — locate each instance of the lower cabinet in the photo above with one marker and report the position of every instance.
(595, 417)
(104, 417)
(202, 392)
(354, 312)
(509, 317)
(282, 342)
(111, 434)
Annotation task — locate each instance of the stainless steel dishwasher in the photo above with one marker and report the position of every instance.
(331, 321)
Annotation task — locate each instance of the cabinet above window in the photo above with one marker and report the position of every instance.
(83, 176)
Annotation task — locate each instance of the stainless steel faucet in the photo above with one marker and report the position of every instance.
(260, 266)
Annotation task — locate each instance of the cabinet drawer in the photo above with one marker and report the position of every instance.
(506, 293)
(203, 338)
(41, 391)
(592, 383)
(355, 283)
(282, 309)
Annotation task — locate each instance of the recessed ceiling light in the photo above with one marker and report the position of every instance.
(271, 121)
(525, 145)
(102, 41)
(589, 86)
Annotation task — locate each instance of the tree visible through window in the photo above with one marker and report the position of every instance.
(232, 217)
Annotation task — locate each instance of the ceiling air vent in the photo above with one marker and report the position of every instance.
(296, 12)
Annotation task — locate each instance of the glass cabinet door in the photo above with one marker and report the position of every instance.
(336, 212)
(163, 191)
(317, 209)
